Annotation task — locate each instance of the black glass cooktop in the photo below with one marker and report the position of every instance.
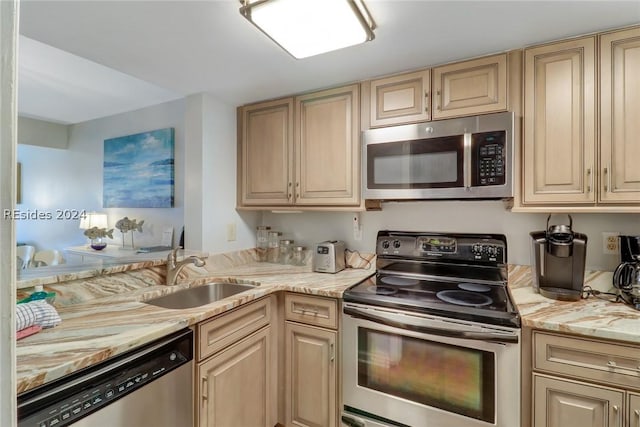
(461, 299)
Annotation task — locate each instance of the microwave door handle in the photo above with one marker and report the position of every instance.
(469, 335)
(467, 161)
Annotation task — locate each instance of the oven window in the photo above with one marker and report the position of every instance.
(425, 163)
(452, 378)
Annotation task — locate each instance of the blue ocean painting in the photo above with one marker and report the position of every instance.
(138, 170)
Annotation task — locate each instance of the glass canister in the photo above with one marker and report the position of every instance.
(262, 242)
(286, 250)
(298, 255)
(273, 251)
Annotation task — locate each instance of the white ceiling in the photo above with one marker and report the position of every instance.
(171, 49)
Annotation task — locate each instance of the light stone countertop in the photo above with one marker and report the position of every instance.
(104, 316)
(592, 317)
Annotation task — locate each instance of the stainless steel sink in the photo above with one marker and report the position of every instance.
(199, 295)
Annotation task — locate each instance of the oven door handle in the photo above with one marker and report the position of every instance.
(469, 335)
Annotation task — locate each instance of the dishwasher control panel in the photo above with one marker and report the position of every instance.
(73, 397)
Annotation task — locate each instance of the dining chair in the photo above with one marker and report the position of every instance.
(48, 257)
(25, 253)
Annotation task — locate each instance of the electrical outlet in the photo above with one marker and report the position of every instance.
(610, 243)
(231, 232)
(357, 227)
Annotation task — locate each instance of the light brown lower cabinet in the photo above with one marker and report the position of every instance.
(564, 403)
(311, 376)
(583, 382)
(237, 385)
(633, 409)
(311, 361)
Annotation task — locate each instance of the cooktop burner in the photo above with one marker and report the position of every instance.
(466, 298)
(399, 281)
(381, 290)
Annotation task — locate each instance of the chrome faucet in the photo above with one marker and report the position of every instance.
(174, 267)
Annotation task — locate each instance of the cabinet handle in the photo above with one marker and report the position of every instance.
(203, 389)
(333, 353)
(438, 105)
(617, 414)
(290, 184)
(636, 412)
(306, 309)
(606, 180)
(426, 101)
(590, 178)
(613, 365)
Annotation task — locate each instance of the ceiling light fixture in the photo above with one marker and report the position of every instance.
(309, 27)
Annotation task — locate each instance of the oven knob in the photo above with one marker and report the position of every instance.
(492, 251)
(385, 244)
(396, 244)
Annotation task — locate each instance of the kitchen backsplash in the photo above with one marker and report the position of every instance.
(309, 228)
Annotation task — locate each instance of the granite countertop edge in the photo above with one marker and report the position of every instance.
(97, 329)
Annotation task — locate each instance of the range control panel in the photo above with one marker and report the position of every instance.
(441, 247)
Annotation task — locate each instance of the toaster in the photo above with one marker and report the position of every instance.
(329, 256)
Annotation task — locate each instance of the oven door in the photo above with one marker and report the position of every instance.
(411, 369)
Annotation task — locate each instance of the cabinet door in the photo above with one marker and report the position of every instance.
(400, 99)
(620, 116)
(559, 123)
(266, 158)
(562, 403)
(328, 147)
(310, 383)
(472, 87)
(634, 410)
(237, 387)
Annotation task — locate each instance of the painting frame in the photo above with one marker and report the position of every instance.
(138, 170)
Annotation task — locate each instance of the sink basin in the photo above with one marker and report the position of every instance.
(200, 295)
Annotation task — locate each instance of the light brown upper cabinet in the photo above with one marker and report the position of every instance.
(620, 116)
(301, 152)
(266, 153)
(400, 99)
(559, 123)
(327, 146)
(472, 87)
(566, 162)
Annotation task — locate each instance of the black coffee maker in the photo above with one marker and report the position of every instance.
(626, 277)
(558, 261)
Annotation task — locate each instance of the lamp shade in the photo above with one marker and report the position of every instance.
(93, 219)
(309, 27)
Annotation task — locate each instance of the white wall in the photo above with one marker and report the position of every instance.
(454, 216)
(211, 178)
(55, 180)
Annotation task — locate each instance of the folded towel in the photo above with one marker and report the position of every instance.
(38, 313)
(28, 331)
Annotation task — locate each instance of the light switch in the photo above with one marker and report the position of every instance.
(231, 232)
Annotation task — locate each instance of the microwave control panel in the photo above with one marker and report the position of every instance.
(489, 158)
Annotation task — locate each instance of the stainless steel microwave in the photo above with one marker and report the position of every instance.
(468, 157)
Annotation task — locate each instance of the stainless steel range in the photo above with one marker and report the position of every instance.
(432, 339)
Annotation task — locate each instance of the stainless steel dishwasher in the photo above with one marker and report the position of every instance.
(148, 386)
